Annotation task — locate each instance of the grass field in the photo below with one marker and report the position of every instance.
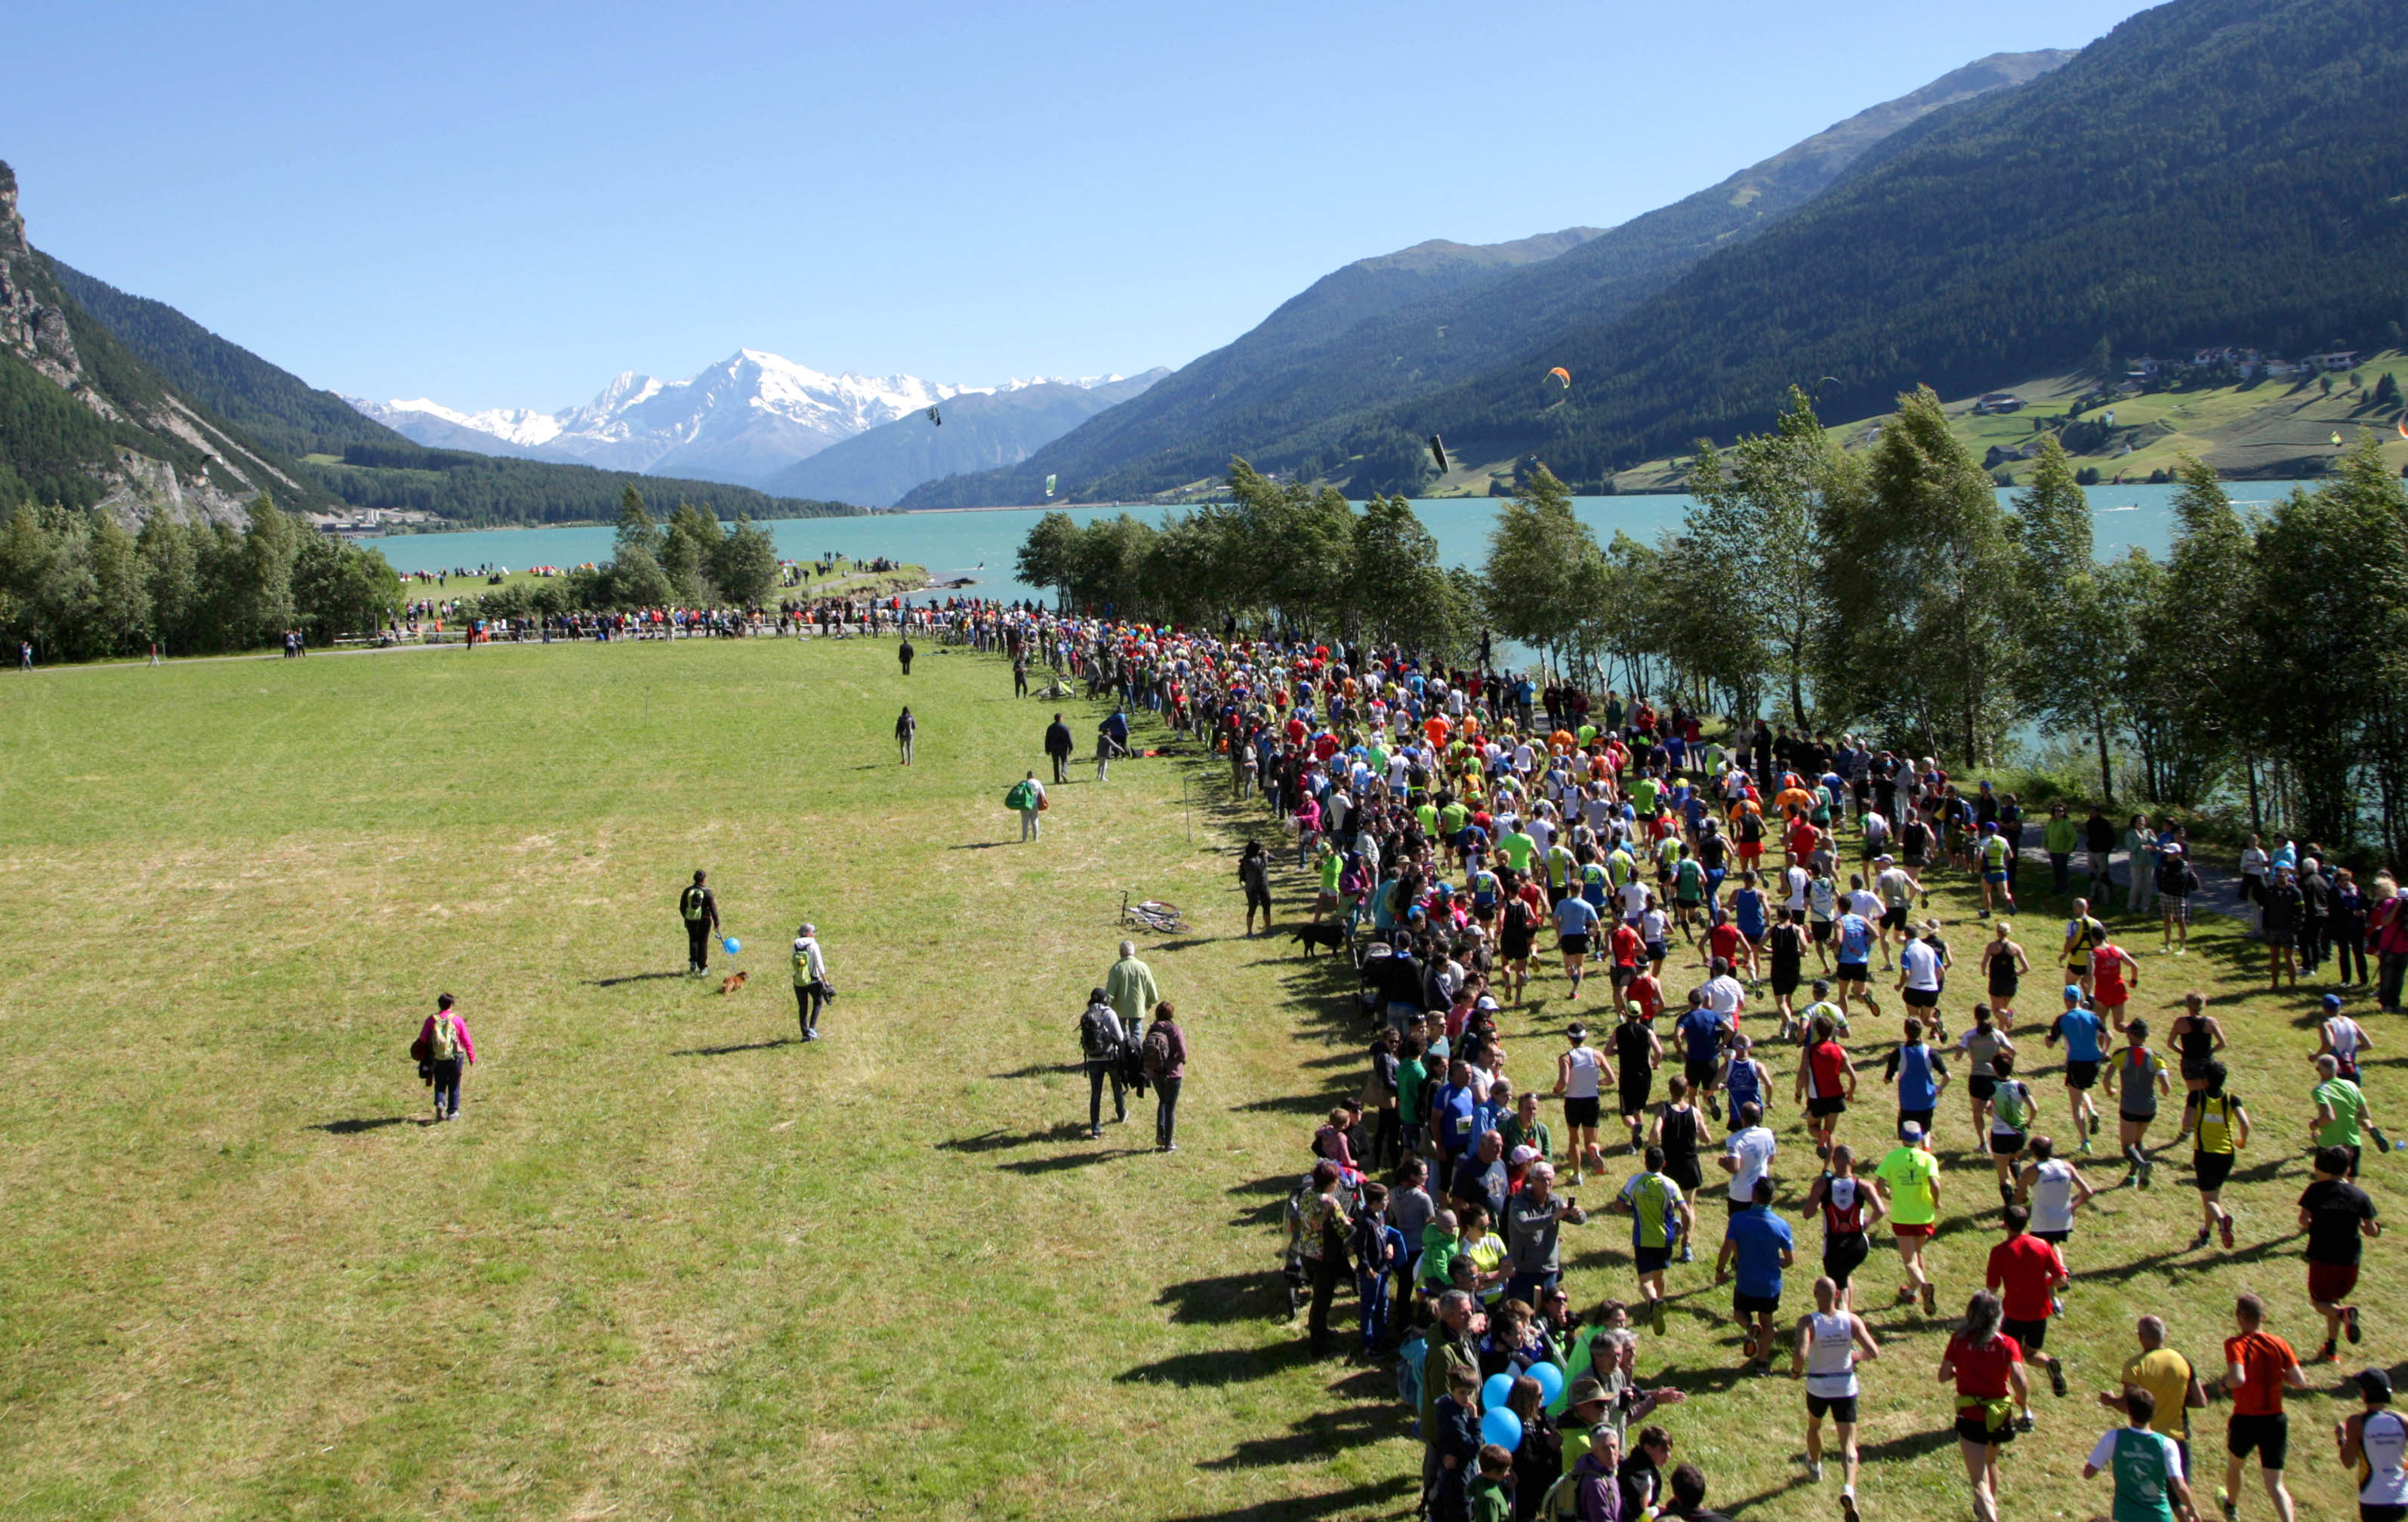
(673, 1263)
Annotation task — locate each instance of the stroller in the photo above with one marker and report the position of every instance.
(1299, 1202)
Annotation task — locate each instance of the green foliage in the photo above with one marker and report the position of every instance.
(1921, 579)
(80, 587)
(743, 565)
(467, 488)
(1541, 560)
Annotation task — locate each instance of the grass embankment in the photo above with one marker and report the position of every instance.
(674, 1264)
(2268, 428)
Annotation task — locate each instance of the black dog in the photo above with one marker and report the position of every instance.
(1331, 936)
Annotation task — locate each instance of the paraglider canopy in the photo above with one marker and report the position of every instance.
(1438, 452)
(935, 417)
(1563, 374)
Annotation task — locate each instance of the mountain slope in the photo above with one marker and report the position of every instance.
(83, 423)
(981, 432)
(2211, 171)
(1310, 405)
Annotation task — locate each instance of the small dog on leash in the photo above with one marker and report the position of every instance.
(731, 983)
(1331, 936)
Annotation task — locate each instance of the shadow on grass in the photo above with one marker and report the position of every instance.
(1224, 1299)
(1038, 1070)
(1395, 1493)
(1063, 1162)
(353, 1127)
(1001, 1141)
(637, 977)
(1293, 1104)
(979, 845)
(741, 1046)
(1216, 1366)
(1320, 1436)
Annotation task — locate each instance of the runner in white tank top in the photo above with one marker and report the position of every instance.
(2052, 1196)
(1580, 1083)
(2383, 1448)
(1825, 1348)
(1831, 1355)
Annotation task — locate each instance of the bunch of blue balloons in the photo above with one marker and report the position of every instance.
(1499, 1423)
(731, 945)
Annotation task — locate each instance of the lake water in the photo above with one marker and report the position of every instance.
(981, 545)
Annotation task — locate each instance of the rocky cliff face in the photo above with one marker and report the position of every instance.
(165, 454)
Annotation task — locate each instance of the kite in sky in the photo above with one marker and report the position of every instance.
(935, 417)
(1438, 453)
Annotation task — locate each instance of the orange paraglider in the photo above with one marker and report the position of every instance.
(1563, 374)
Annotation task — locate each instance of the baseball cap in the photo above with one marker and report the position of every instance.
(1912, 1130)
(1523, 1154)
(2332, 1001)
(2073, 992)
(2373, 1383)
(1485, 1002)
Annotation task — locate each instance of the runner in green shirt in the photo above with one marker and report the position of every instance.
(1660, 1218)
(1909, 1180)
(1644, 793)
(2340, 1111)
(2149, 1486)
(1519, 850)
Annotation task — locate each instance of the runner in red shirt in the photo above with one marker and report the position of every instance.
(1827, 1081)
(1724, 942)
(1989, 1367)
(1629, 951)
(2113, 976)
(2029, 1273)
(2256, 1366)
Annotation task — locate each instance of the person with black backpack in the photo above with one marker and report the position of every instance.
(700, 913)
(1100, 1040)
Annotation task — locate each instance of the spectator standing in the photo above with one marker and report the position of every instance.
(906, 728)
(1058, 746)
(699, 909)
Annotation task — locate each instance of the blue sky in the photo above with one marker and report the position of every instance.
(504, 205)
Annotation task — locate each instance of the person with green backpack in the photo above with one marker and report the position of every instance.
(1027, 799)
(443, 1048)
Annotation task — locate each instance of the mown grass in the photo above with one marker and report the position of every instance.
(674, 1264)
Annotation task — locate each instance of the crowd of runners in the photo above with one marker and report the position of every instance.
(1468, 835)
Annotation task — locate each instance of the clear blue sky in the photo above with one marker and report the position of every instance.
(504, 205)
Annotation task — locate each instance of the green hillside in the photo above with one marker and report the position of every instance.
(2211, 172)
(1307, 391)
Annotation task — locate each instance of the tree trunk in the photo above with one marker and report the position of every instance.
(2257, 812)
(1797, 697)
(2106, 773)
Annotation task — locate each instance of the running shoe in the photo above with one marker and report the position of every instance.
(2094, 1123)
(2225, 1225)
(2232, 1507)
(1848, 1505)
(2057, 1378)
(1657, 1307)
(2198, 1242)
(1814, 1470)
(2326, 1354)
(2349, 1324)
(1931, 1298)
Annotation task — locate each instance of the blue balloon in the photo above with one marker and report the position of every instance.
(1493, 1394)
(1551, 1381)
(732, 945)
(1501, 1427)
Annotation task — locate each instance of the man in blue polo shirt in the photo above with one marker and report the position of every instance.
(1576, 925)
(1758, 1244)
(2080, 1028)
(1450, 1112)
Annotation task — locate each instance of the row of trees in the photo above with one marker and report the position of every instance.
(80, 586)
(685, 561)
(1278, 555)
(1887, 590)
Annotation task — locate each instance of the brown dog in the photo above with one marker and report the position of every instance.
(734, 982)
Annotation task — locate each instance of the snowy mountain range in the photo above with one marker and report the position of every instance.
(743, 420)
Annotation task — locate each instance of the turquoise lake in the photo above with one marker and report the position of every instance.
(981, 544)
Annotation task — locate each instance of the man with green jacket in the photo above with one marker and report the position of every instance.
(1453, 1341)
(1129, 985)
(2059, 838)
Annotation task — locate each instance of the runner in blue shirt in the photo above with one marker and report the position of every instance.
(1855, 971)
(1701, 1032)
(1759, 1244)
(1919, 1075)
(2081, 1028)
(1575, 927)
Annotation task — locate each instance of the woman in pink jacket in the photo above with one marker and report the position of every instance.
(444, 1049)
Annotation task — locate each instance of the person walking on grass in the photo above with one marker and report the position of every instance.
(905, 728)
(2258, 1367)
(2339, 1218)
(1987, 1366)
(1027, 799)
(812, 990)
(1165, 1054)
(2373, 1444)
(445, 1049)
(1058, 746)
(2146, 1464)
(904, 652)
(699, 912)
(1830, 1340)
(1101, 1037)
